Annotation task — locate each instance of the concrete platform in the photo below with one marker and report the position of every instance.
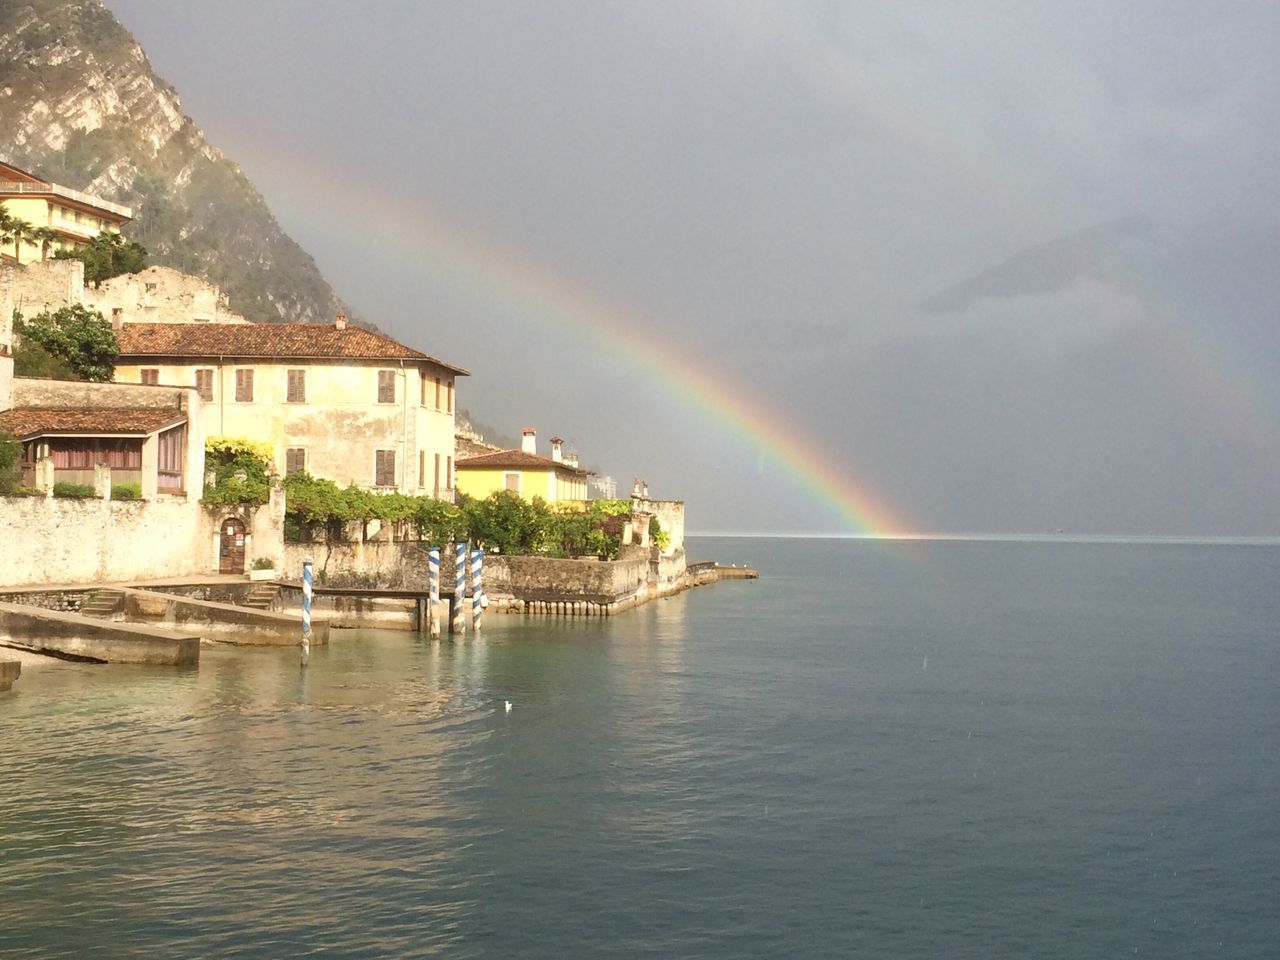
(224, 622)
(71, 635)
(9, 671)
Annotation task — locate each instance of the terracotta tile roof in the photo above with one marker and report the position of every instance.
(317, 341)
(518, 459)
(27, 422)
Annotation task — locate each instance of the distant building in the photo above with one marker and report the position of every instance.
(602, 488)
(524, 472)
(74, 216)
(340, 402)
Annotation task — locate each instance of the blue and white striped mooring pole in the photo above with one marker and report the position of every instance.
(433, 589)
(459, 588)
(306, 604)
(477, 588)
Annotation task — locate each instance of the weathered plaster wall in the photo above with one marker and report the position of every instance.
(340, 424)
(397, 565)
(42, 286)
(84, 541)
(670, 514)
(161, 295)
(74, 393)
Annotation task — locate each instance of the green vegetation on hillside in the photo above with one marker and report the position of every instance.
(194, 209)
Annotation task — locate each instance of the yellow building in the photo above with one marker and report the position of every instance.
(340, 402)
(524, 472)
(73, 216)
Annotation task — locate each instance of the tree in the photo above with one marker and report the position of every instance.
(80, 337)
(45, 236)
(105, 256)
(10, 453)
(17, 231)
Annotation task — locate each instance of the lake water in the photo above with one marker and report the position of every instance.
(947, 749)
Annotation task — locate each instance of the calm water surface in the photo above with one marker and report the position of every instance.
(899, 750)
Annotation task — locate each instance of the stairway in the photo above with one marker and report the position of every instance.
(263, 596)
(102, 604)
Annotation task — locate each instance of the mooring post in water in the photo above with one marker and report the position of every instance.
(477, 588)
(306, 605)
(459, 588)
(433, 589)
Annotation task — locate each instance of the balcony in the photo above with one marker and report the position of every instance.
(11, 187)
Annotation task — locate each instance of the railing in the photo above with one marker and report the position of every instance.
(57, 190)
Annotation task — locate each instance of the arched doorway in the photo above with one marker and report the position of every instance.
(231, 546)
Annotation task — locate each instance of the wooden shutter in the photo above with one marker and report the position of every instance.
(295, 460)
(204, 384)
(296, 391)
(385, 468)
(386, 386)
(244, 385)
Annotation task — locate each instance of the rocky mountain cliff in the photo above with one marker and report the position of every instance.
(81, 106)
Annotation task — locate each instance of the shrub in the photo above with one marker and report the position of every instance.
(264, 563)
(657, 536)
(10, 454)
(126, 491)
(26, 492)
(241, 471)
(77, 491)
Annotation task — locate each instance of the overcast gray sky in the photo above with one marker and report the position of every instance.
(979, 266)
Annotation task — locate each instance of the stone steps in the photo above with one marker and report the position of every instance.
(263, 596)
(102, 604)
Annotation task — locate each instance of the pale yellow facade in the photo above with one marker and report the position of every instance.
(77, 217)
(551, 484)
(384, 425)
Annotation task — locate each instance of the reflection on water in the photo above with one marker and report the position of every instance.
(1087, 768)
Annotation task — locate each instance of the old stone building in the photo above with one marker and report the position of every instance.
(340, 402)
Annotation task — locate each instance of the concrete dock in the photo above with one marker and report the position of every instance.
(70, 635)
(9, 672)
(223, 622)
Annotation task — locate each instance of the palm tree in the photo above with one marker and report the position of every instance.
(5, 220)
(45, 236)
(19, 231)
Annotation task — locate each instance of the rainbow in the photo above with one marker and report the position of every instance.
(482, 269)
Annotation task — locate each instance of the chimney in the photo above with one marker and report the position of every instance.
(571, 460)
(529, 443)
(341, 322)
(556, 444)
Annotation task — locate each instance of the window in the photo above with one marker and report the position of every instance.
(450, 410)
(151, 288)
(511, 481)
(244, 386)
(386, 386)
(384, 468)
(448, 475)
(437, 393)
(422, 468)
(172, 450)
(422, 386)
(204, 384)
(150, 375)
(295, 460)
(435, 488)
(296, 391)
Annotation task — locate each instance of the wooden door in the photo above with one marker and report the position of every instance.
(231, 546)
